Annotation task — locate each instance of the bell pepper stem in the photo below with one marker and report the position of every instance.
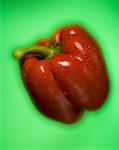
(45, 51)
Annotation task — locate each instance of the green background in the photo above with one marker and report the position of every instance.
(21, 126)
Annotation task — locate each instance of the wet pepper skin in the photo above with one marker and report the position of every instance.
(70, 82)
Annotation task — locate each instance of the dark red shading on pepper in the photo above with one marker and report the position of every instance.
(65, 75)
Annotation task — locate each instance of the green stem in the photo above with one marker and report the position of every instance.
(45, 51)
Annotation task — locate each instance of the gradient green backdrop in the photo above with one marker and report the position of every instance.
(21, 126)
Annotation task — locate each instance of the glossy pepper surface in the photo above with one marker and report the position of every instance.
(65, 74)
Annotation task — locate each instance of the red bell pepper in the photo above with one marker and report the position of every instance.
(65, 74)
